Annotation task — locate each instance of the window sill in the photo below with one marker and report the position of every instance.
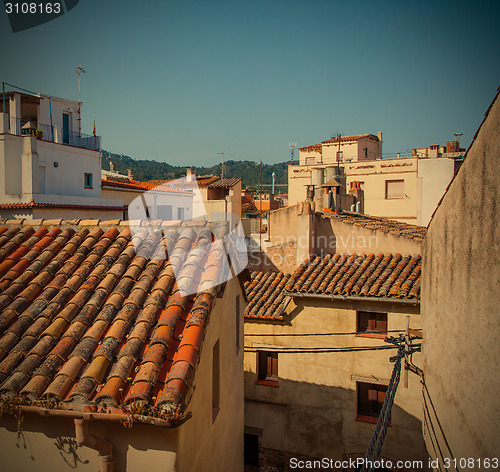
(382, 335)
(268, 383)
(394, 198)
(369, 419)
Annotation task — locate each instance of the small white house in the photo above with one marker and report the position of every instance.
(48, 167)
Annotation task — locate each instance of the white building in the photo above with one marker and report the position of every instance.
(47, 166)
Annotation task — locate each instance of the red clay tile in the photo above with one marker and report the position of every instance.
(163, 334)
(156, 354)
(193, 336)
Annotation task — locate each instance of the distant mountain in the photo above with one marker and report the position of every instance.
(151, 170)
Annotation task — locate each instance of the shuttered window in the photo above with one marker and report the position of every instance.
(394, 189)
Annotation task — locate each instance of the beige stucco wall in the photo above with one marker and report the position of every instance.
(313, 411)
(48, 445)
(218, 446)
(434, 175)
(460, 300)
(294, 234)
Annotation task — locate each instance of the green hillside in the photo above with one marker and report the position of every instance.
(150, 170)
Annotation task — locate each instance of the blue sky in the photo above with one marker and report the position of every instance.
(179, 81)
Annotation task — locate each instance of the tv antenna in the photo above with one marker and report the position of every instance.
(79, 70)
(222, 167)
(292, 146)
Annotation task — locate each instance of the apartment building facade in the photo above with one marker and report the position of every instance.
(48, 166)
(406, 189)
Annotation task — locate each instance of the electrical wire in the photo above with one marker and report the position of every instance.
(327, 334)
(307, 350)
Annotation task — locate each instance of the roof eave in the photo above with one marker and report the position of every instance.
(325, 296)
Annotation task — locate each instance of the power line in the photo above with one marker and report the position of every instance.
(328, 334)
(378, 437)
(312, 350)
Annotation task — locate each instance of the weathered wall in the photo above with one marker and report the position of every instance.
(313, 410)
(460, 300)
(334, 236)
(48, 445)
(206, 446)
(294, 233)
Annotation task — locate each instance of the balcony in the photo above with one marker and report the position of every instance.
(52, 134)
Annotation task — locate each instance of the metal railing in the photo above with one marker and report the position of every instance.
(53, 134)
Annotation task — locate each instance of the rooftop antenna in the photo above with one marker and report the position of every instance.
(79, 70)
(291, 146)
(222, 168)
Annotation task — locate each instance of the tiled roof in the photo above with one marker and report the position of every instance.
(265, 295)
(378, 276)
(31, 204)
(353, 137)
(95, 319)
(210, 181)
(224, 183)
(312, 147)
(144, 186)
(380, 223)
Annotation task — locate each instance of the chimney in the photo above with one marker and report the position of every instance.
(112, 166)
(379, 136)
(130, 173)
(190, 175)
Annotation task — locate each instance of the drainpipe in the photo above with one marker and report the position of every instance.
(103, 447)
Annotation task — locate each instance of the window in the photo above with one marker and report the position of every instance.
(370, 321)
(215, 381)
(87, 181)
(180, 214)
(370, 400)
(238, 324)
(366, 152)
(394, 189)
(267, 368)
(164, 212)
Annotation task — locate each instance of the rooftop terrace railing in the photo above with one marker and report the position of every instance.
(53, 134)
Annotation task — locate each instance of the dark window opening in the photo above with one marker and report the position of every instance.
(370, 321)
(215, 381)
(268, 368)
(238, 323)
(87, 181)
(370, 400)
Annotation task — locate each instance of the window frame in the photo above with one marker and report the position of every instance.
(88, 176)
(398, 196)
(267, 368)
(365, 410)
(360, 329)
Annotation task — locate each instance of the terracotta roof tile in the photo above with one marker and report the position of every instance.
(98, 317)
(380, 223)
(343, 275)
